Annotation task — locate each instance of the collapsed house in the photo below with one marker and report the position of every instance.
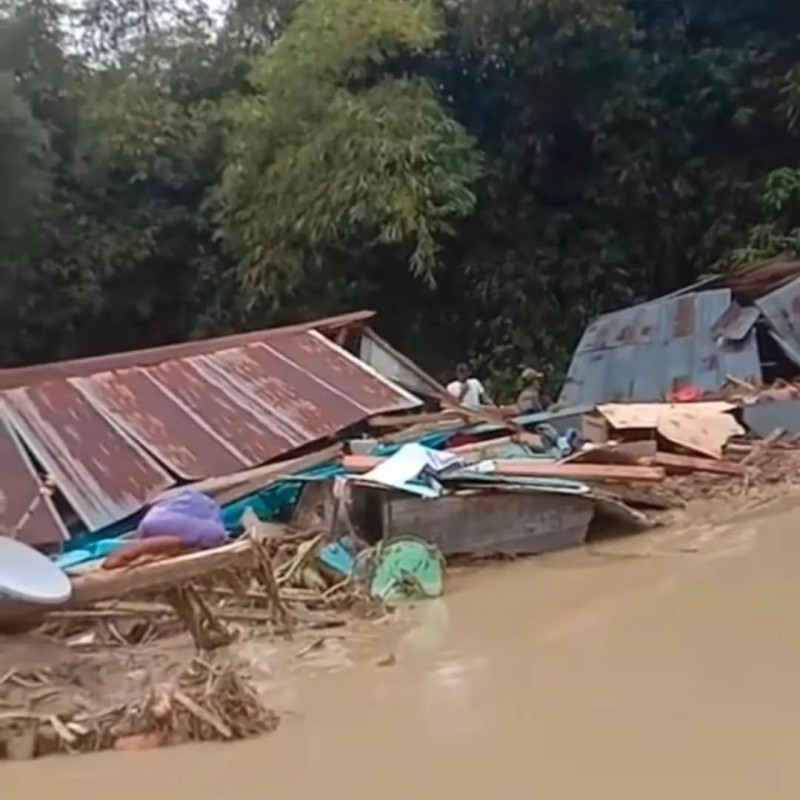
(745, 326)
(113, 432)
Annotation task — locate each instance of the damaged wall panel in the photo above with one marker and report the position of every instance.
(649, 351)
(514, 523)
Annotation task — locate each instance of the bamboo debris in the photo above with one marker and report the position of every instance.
(205, 702)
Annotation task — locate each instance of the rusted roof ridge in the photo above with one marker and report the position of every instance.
(83, 367)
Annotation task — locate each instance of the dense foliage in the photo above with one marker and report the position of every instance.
(487, 174)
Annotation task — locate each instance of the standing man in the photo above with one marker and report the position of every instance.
(531, 400)
(466, 390)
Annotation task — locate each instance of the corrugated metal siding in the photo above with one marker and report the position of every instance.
(387, 361)
(647, 351)
(199, 416)
(103, 475)
(20, 485)
(782, 311)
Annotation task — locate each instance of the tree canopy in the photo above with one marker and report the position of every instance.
(487, 174)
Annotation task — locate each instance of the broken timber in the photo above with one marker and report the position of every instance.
(679, 464)
(533, 469)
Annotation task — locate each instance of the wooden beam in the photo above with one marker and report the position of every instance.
(616, 453)
(524, 468)
(229, 488)
(479, 448)
(106, 584)
(405, 420)
(680, 464)
(586, 472)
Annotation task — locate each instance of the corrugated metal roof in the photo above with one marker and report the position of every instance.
(103, 475)
(648, 351)
(113, 439)
(83, 367)
(135, 401)
(20, 485)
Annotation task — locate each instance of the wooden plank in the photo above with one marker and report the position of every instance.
(524, 468)
(102, 584)
(588, 472)
(616, 453)
(229, 488)
(647, 415)
(484, 447)
(680, 464)
(406, 420)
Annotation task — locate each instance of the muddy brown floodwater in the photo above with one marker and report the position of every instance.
(660, 666)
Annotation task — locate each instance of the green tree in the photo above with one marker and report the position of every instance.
(331, 153)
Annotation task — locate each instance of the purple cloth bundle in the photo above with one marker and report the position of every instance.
(192, 516)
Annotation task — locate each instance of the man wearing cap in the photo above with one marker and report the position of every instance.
(531, 400)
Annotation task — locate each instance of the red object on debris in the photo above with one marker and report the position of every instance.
(688, 394)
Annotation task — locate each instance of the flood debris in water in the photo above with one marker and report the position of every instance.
(363, 517)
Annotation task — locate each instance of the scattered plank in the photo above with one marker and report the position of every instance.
(229, 488)
(763, 445)
(483, 448)
(534, 469)
(104, 584)
(680, 465)
(616, 453)
(203, 714)
(590, 472)
(405, 420)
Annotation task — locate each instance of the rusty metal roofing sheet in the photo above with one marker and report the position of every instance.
(218, 411)
(83, 367)
(343, 372)
(179, 439)
(291, 393)
(648, 351)
(19, 487)
(253, 434)
(103, 475)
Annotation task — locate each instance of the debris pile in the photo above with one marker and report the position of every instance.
(70, 708)
(374, 492)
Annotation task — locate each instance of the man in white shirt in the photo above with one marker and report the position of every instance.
(466, 390)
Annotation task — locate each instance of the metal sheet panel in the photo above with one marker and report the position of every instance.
(213, 399)
(19, 488)
(736, 322)
(176, 436)
(763, 418)
(343, 373)
(103, 475)
(392, 364)
(291, 393)
(782, 311)
(649, 351)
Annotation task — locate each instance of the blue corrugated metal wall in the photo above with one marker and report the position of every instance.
(647, 351)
